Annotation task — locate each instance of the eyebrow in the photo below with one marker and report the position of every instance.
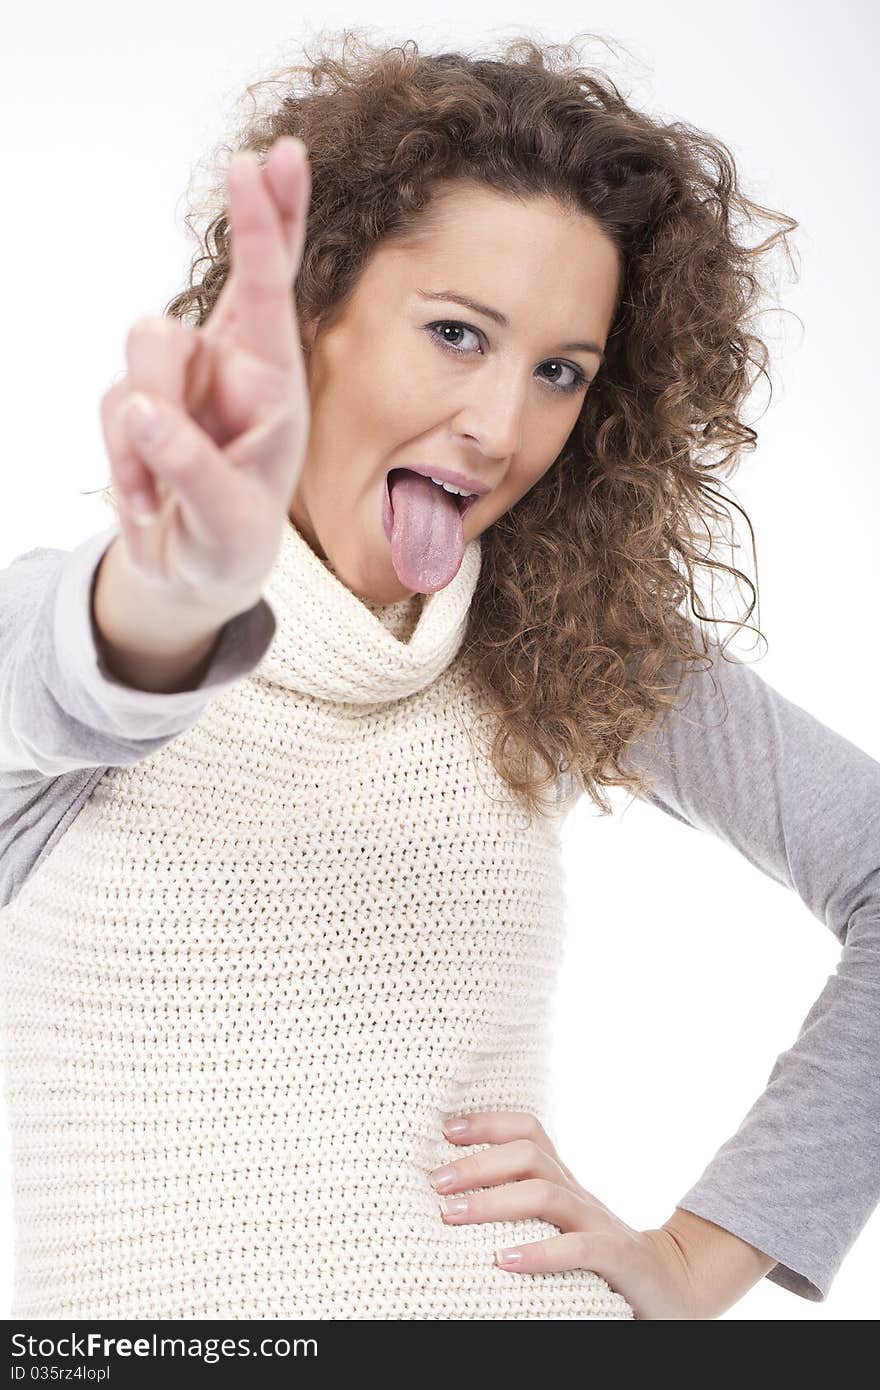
(502, 319)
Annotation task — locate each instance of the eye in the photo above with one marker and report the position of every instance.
(437, 329)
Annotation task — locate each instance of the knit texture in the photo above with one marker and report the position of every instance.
(256, 971)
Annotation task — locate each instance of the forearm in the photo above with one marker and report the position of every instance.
(722, 1267)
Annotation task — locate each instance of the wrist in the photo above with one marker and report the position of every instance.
(172, 611)
(147, 638)
(722, 1266)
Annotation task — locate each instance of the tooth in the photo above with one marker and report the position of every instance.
(450, 487)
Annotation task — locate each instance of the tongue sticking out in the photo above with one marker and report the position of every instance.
(427, 541)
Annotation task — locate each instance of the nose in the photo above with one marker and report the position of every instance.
(494, 413)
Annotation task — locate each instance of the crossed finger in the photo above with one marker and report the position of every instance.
(267, 219)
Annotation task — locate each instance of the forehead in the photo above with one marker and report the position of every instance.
(515, 253)
(473, 217)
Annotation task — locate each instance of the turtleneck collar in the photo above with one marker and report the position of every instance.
(331, 644)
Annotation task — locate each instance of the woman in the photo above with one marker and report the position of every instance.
(288, 745)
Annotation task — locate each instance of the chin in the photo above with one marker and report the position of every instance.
(375, 589)
(397, 594)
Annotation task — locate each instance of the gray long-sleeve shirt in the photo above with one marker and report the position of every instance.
(801, 1176)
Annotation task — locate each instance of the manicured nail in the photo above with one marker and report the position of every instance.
(508, 1257)
(142, 508)
(442, 1177)
(454, 1206)
(456, 1125)
(147, 423)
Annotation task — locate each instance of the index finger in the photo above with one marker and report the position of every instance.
(260, 264)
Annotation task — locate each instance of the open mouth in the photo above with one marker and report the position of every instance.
(464, 504)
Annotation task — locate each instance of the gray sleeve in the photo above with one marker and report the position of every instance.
(63, 717)
(801, 1176)
(60, 706)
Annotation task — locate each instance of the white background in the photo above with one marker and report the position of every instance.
(108, 111)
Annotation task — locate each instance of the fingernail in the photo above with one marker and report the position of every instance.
(508, 1257)
(142, 507)
(146, 421)
(442, 1177)
(454, 1206)
(456, 1125)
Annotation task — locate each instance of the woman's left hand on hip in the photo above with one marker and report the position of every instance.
(522, 1176)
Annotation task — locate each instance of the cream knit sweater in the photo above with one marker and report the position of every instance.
(259, 967)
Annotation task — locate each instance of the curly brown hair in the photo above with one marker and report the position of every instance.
(575, 629)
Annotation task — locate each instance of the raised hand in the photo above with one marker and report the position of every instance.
(220, 461)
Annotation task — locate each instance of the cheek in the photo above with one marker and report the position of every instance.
(411, 376)
(391, 398)
(484, 514)
(515, 486)
(521, 481)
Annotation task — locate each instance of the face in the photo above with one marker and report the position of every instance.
(406, 375)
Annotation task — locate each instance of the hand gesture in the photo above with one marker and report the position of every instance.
(209, 427)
